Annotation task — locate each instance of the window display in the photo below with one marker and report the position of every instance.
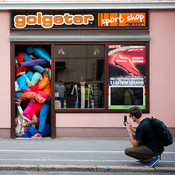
(32, 91)
(79, 76)
(127, 77)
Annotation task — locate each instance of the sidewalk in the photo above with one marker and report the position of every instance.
(76, 154)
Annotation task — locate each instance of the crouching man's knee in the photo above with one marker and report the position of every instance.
(128, 151)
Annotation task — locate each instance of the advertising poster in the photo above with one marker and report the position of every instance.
(126, 76)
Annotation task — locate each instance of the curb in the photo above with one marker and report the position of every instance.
(85, 168)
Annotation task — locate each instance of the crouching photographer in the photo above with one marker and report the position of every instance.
(144, 145)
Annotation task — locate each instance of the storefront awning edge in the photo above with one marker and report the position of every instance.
(51, 38)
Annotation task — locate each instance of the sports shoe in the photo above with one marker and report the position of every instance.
(153, 162)
(37, 135)
(126, 65)
(139, 161)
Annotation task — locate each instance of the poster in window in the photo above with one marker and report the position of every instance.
(126, 76)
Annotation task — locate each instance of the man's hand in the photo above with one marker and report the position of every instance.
(23, 124)
(129, 126)
(130, 129)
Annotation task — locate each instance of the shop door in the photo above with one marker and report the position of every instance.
(31, 91)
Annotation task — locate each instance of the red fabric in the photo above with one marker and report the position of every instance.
(20, 69)
(36, 109)
(20, 58)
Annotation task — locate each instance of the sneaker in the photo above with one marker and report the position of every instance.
(153, 162)
(139, 161)
(37, 135)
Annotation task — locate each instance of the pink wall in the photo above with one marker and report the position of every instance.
(162, 79)
(162, 65)
(5, 115)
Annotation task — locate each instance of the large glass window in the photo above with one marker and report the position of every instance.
(79, 76)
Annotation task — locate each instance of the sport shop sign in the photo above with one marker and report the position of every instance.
(60, 19)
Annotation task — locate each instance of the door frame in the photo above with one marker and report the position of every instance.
(12, 85)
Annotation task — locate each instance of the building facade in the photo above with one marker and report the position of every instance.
(104, 58)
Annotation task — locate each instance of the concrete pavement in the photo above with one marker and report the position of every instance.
(76, 154)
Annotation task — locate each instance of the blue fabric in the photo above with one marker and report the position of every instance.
(22, 82)
(26, 57)
(29, 49)
(40, 52)
(31, 131)
(37, 68)
(29, 75)
(46, 130)
(43, 116)
(17, 94)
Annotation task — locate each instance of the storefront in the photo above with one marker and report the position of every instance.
(96, 63)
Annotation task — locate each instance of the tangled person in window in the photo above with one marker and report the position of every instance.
(33, 112)
(23, 91)
(43, 87)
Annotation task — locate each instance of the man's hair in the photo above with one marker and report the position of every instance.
(135, 111)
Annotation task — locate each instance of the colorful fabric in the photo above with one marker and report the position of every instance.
(20, 58)
(38, 68)
(36, 77)
(31, 95)
(27, 111)
(35, 62)
(36, 109)
(20, 70)
(44, 84)
(43, 116)
(38, 51)
(31, 131)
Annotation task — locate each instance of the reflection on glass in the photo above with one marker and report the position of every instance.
(79, 76)
(127, 96)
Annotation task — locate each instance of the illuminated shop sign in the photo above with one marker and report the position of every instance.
(60, 19)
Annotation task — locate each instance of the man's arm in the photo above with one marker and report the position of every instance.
(134, 142)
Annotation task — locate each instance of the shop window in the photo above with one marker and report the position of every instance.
(79, 76)
(128, 83)
(32, 90)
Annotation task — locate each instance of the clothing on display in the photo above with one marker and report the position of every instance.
(83, 93)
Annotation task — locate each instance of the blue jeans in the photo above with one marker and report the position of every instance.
(31, 131)
(43, 116)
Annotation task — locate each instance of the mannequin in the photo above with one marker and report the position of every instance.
(83, 92)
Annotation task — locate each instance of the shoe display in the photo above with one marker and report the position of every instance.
(126, 65)
(153, 162)
(37, 135)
